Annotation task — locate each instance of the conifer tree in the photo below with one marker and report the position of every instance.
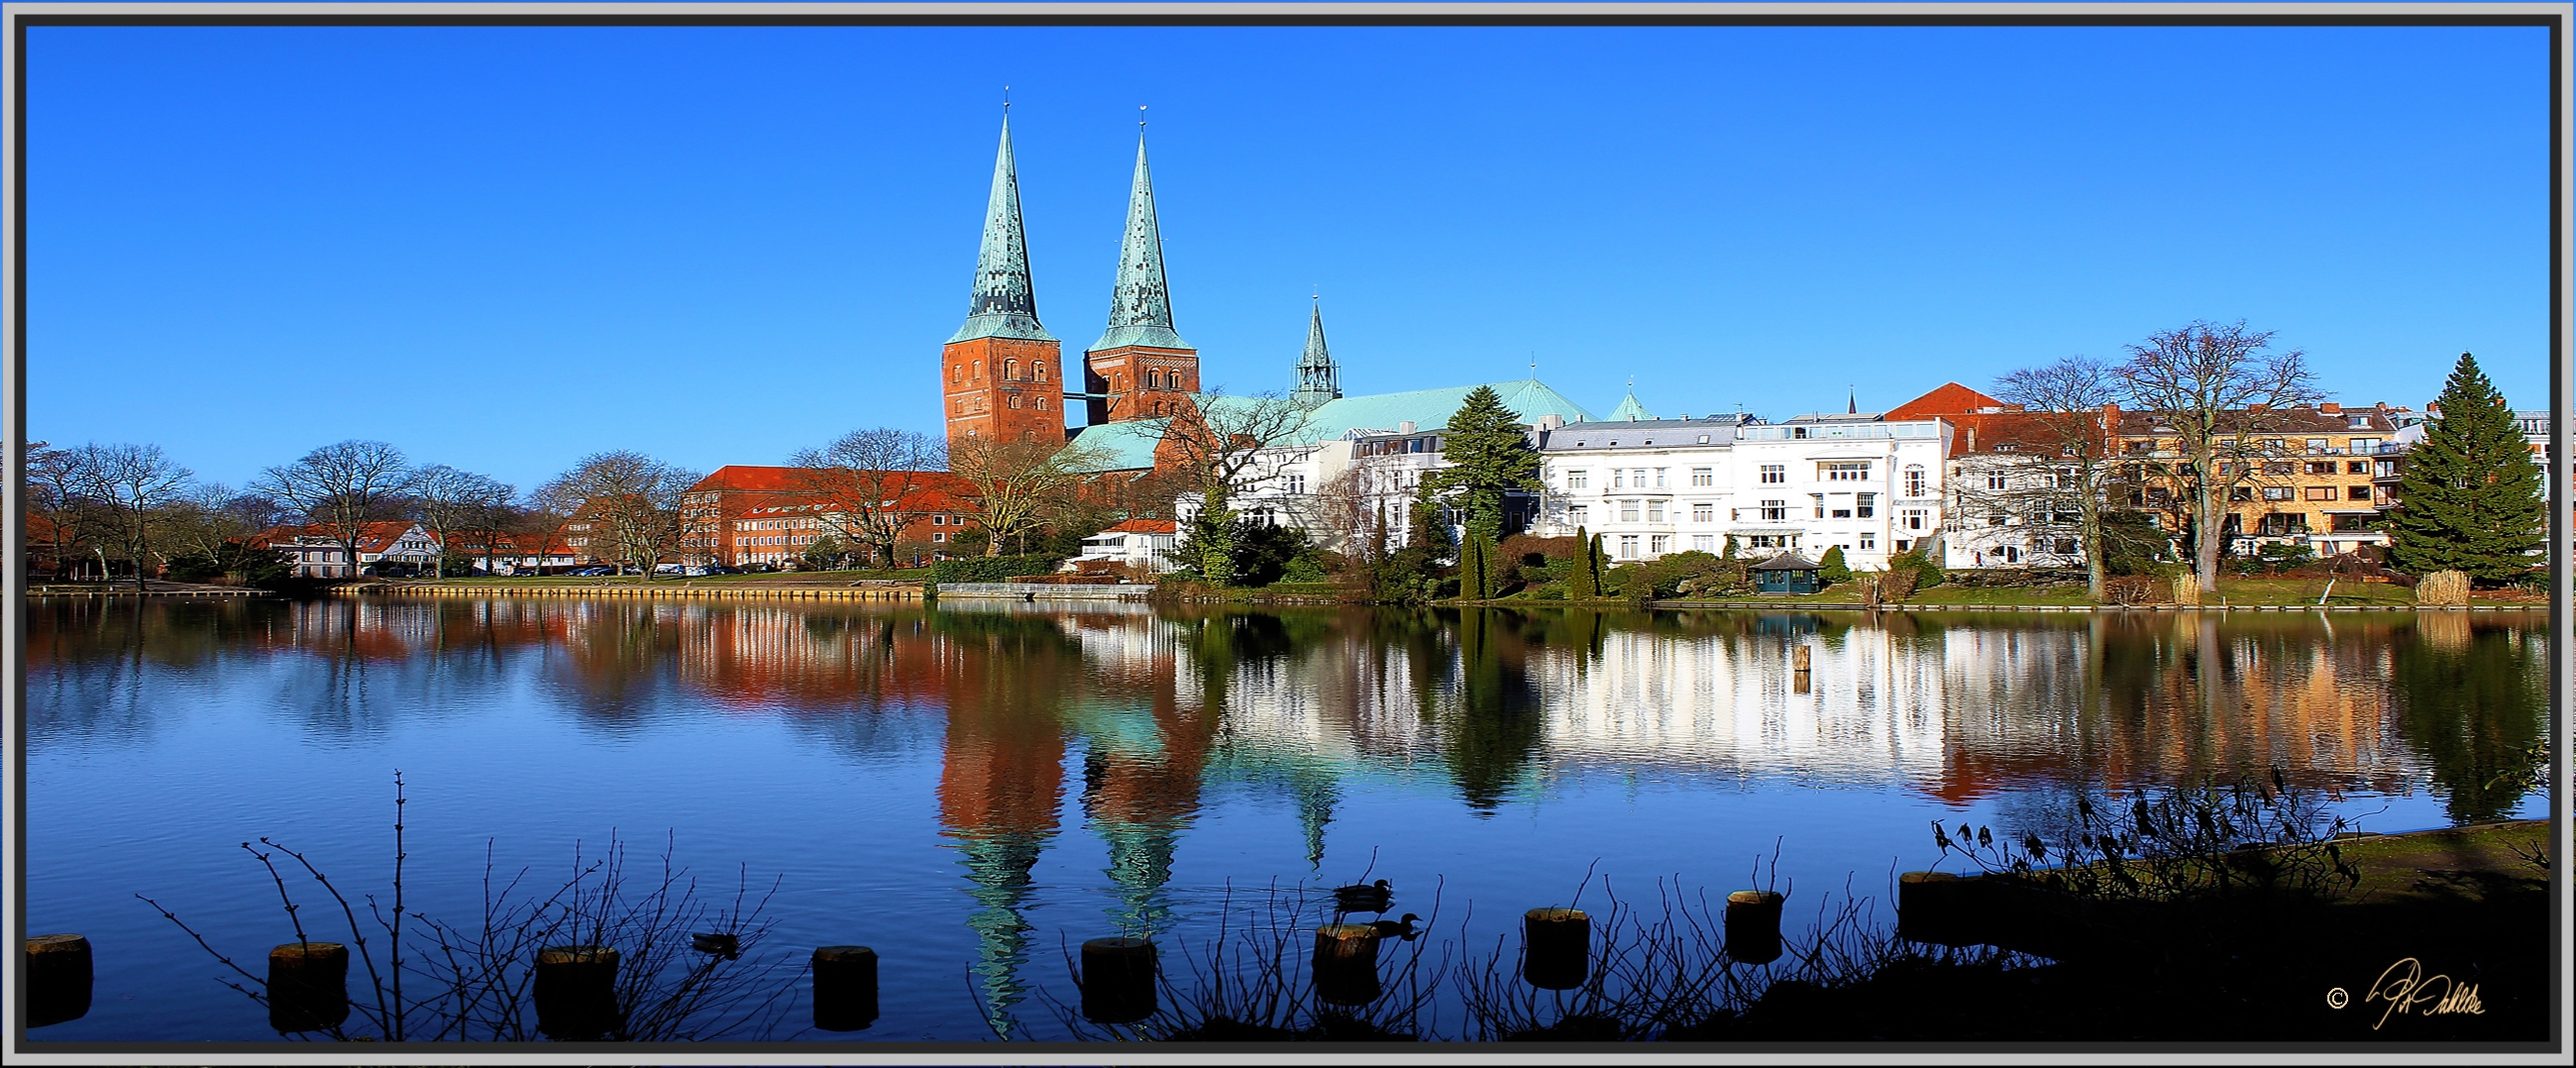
(1833, 569)
(2470, 499)
(1583, 583)
(1489, 454)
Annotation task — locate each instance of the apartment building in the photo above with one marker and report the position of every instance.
(1648, 486)
(2311, 476)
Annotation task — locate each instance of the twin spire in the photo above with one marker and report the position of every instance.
(1004, 304)
(1140, 308)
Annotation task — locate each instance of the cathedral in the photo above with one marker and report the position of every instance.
(1004, 377)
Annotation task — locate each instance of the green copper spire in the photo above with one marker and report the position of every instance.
(1140, 312)
(1004, 305)
(1629, 410)
(1318, 381)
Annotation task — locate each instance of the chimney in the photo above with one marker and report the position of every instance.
(2330, 408)
(1406, 427)
(1551, 421)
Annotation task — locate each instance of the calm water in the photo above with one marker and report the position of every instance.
(971, 790)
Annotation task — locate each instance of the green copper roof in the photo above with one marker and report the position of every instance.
(1004, 305)
(1629, 411)
(1140, 310)
(1128, 445)
(1318, 381)
(1427, 409)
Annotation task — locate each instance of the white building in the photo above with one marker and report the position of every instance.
(1648, 486)
(1146, 543)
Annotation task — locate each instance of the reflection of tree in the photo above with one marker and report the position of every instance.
(2470, 709)
(1493, 726)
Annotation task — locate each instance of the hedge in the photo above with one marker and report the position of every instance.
(991, 568)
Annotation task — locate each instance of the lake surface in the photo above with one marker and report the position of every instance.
(975, 789)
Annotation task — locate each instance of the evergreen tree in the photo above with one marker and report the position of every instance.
(1475, 571)
(1832, 568)
(2470, 499)
(1489, 454)
(1583, 582)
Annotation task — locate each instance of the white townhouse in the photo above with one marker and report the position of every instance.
(1649, 486)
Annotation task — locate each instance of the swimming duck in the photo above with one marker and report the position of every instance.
(1364, 897)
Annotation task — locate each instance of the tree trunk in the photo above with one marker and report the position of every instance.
(2208, 510)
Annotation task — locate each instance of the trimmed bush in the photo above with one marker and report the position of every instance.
(991, 568)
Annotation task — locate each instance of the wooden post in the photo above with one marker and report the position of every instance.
(1932, 906)
(1346, 964)
(1753, 926)
(845, 988)
(1799, 658)
(1556, 948)
(1117, 980)
(58, 979)
(308, 986)
(577, 993)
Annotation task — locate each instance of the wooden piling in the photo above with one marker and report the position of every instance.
(845, 988)
(1801, 658)
(1117, 980)
(58, 979)
(1345, 964)
(1556, 948)
(1934, 906)
(308, 986)
(1753, 926)
(577, 993)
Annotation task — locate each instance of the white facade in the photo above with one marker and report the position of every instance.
(1130, 543)
(1655, 487)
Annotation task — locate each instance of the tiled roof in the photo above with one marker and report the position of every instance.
(2283, 421)
(1951, 399)
(2023, 431)
(1145, 526)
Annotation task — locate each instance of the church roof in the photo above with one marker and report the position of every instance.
(1429, 409)
(1004, 304)
(1140, 309)
(1127, 445)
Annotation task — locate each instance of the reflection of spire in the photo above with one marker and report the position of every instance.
(1315, 797)
(999, 866)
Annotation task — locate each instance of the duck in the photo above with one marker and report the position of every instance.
(1364, 897)
(1397, 929)
(720, 945)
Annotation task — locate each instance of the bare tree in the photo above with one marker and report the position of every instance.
(1347, 509)
(59, 492)
(135, 482)
(2066, 475)
(2217, 388)
(1216, 444)
(341, 488)
(448, 502)
(871, 482)
(1016, 486)
(211, 520)
(631, 501)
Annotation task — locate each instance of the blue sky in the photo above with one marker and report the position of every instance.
(505, 248)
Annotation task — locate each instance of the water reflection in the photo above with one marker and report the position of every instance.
(1156, 711)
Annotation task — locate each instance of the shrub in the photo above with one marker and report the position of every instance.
(1925, 573)
(2443, 588)
(1832, 568)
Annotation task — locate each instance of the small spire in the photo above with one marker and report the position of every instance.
(1628, 409)
(1319, 380)
(1140, 307)
(1004, 304)
(1852, 406)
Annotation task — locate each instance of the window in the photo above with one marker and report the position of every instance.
(2364, 446)
(2321, 467)
(2356, 467)
(1914, 481)
(939, 535)
(1659, 544)
(2356, 493)
(1627, 546)
(1868, 541)
(938, 520)
(1042, 403)
(1640, 474)
(1578, 480)
(1654, 511)
(2065, 547)
(1868, 505)
(2320, 493)
(1774, 474)
(2317, 444)
(1627, 511)
(1842, 513)
(1296, 483)
(1015, 402)
(1846, 472)
(2012, 555)
(979, 369)
(2278, 523)
(1704, 543)
(1996, 481)
(2343, 524)
(2243, 493)
(1578, 514)
(2360, 422)
(1038, 370)
(1775, 511)
(957, 373)
(1914, 518)
(1011, 370)
(2279, 467)
(2276, 493)
(1819, 500)
(1618, 478)
(1659, 477)
(1703, 513)
(1703, 476)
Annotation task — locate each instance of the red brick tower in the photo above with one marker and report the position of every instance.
(1002, 374)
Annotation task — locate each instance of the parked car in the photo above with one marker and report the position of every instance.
(598, 570)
